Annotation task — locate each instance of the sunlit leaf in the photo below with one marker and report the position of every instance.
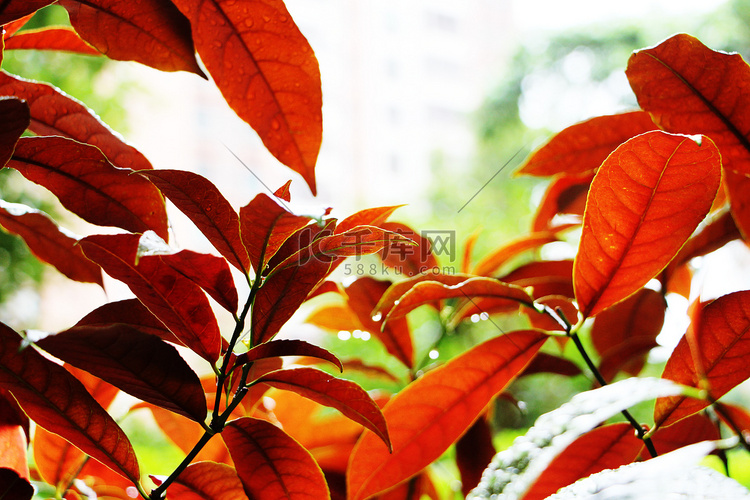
(546, 277)
(55, 113)
(140, 364)
(693, 429)
(646, 200)
(57, 39)
(722, 342)
(275, 348)
(412, 260)
(429, 291)
(606, 447)
(16, 9)
(491, 263)
(393, 294)
(209, 481)
(641, 315)
(335, 317)
(584, 146)
(283, 192)
(153, 32)
(209, 272)
(265, 226)
(56, 460)
(15, 117)
(347, 397)
(13, 443)
(366, 217)
(48, 242)
(363, 295)
(426, 417)
(87, 184)
(688, 88)
(267, 72)
(174, 299)
(271, 464)
(55, 400)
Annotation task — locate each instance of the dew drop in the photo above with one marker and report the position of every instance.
(365, 336)
(266, 19)
(475, 318)
(434, 354)
(275, 124)
(283, 19)
(249, 22)
(344, 335)
(377, 317)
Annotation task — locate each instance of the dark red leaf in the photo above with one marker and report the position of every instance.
(408, 259)
(582, 147)
(363, 295)
(209, 481)
(57, 39)
(14, 487)
(12, 27)
(491, 263)
(266, 71)
(48, 242)
(283, 192)
(347, 397)
(324, 287)
(714, 235)
(10, 10)
(394, 293)
(548, 363)
(736, 417)
(129, 312)
(209, 272)
(174, 299)
(14, 119)
(550, 277)
(151, 32)
(276, 348)
(206, 207)
(55, 113)
(12, 414)
(55, 400)
(606, 447)
(689, 89)
(692, 429)
(722, 340)
(265, 226)
(271, 464)
(565, 195)
(431, 413)
(87, 184)
(474, 451)
(140, 364)
(641, 315)
(628, 356)
(646, 200)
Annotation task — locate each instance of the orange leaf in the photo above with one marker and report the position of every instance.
(266, 71)
(409, 259)
(429, 291)
(57, 460)
(347, 397)
(690, 89)
(492, 262)
(607, 447)
(394, 293)
(335, 317)
(57, 39)
(271, 464)
(208, 480)
(151, 32)
(646, 200)
(431, 413)
(55, 400)
(722, 340)
(584, 146)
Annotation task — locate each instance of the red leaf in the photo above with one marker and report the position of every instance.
(722, 340)
(265, 226)
(738, 190)
(87, 184)
(736, 417)
(714, 235)
(55, 400)
(550, 277)
(397, 290)
(336, 318)
(406, 258)
(175, 300)
(129, 312)
(627, 356)
(266, 71)
(692, 429)
(367, 217)
(565, 195)
(140, 364)
(152, 32)
(543, 321)
(429, 291)
(547, 363)
(491, 263)
(55, 113)
(14, 119)
(57, 39)
(283, 192)
(474, 451)
(57, 461)
(363, 295)
(582, 147)
(14, 487)
(209, 272)
(209, 481)
(276, 348)
(16, 9)
(271, 464)
(690, 89)
(641, 315)
(644, 203)
(606, 447)
(13, 445)
(432, 412)
(12, 27)
(206, 207)
(347, 397)
(48, 242)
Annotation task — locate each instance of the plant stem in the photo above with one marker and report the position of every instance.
(158, 492)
